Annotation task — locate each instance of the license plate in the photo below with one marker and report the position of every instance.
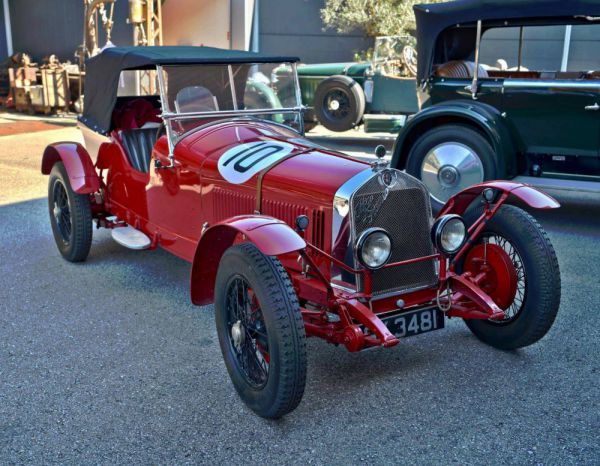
(415, 322)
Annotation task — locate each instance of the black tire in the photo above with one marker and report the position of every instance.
(536, 314)
(451, 134)
(70, 216)
(350, 98)
(277, 326)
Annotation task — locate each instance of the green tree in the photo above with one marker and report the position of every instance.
(375, 17)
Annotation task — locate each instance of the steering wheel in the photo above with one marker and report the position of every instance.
(409, 55)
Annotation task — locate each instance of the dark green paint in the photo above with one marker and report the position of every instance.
(536, 120)
(394, 95)
(473, 113)
(390, 95)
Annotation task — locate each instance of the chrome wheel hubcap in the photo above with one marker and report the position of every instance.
(237, 334)
(57, 211)
(334, 105)
(449, 168)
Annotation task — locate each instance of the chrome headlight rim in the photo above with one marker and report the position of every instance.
(361, 242)
(437, 231)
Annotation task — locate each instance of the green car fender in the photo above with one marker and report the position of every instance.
(477, 115)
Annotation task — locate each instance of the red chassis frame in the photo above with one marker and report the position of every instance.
(457, 294)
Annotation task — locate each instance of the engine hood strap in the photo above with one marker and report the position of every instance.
(259, 181)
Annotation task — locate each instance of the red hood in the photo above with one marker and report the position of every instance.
(307, 172)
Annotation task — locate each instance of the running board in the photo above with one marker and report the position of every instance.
(131, 238)
(560, 184)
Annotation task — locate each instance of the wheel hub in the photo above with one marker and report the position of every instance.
(449, 176)
(450, 167)
(56, 212)
(334, 105)
(500, 277)
(237, 334)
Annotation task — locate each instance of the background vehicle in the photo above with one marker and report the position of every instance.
(499, 123)
(379, 93)
(289, 239)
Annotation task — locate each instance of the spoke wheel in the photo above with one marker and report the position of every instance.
(70, 216)
(505, 279)
(339, 103)
(523, 278)
(247, 331)
(62, 211)
(261, 331)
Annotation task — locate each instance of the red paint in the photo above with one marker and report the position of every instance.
(272, 237)
(534, 198)
(499, 276)
(77, 162)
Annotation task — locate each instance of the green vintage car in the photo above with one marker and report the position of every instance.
(380, 92)
(482, 121)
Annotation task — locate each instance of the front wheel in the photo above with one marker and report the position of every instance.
(261, 331)
(522, 278)
(450, 158)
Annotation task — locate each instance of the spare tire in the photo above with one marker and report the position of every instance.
(339, 103)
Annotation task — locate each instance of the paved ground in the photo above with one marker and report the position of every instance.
(107, 362)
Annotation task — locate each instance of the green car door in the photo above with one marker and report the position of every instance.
(554, 117)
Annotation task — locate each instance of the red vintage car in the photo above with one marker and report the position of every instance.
(288, 239)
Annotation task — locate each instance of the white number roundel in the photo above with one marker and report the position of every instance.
(240, 163)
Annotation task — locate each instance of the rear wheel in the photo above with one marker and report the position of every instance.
(450, 158)
(524, 279)
(261, 331)
(339, 103)
(70, 216)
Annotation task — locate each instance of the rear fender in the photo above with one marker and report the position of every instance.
(534, 198)
(484, 118)
(78, 164)
(271, 236)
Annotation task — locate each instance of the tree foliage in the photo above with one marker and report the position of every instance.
(375, 17)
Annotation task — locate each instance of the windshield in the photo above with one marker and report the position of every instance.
(195, 95)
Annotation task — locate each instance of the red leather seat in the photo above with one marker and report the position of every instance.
(460, 69)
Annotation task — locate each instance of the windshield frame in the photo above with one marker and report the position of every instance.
(169, 116)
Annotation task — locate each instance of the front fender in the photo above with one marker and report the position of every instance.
(483, 117)
(271, 236)
(531, 196)
(78, 164)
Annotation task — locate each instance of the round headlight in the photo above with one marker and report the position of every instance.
(449, 233)
(374, 248)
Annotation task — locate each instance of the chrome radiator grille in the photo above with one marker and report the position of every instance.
(404, 211)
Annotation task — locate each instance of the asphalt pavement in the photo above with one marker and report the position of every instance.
(107, 362)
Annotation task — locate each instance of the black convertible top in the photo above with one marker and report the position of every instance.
(433, 19)
(103, 70)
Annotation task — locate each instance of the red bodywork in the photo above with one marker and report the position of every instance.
(193, 212)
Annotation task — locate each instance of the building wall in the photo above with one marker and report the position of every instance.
(196, 22)
(286, 27)
(294, 27)
(41, 28)
(3, 45)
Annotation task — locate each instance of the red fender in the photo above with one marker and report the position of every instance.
(77, 162)
(531, 196)
(271, 236)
